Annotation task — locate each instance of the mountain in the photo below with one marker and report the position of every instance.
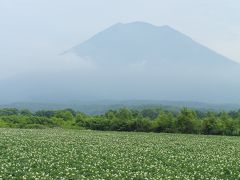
(132, 61)
(142, 42)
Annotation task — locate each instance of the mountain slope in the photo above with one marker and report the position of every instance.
(133, 61)
(142, 42)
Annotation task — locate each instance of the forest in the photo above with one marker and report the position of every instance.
(187, 121)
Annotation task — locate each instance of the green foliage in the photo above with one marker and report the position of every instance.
(150, 113)
(146, 120)
(186, 121)
(8, 112)
(124, 114)
(45, 113)
(165, 122)
(209, 124)
(65, 115)
(3, 124)
(25, 112)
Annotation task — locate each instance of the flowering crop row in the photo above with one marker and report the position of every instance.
(74, 154)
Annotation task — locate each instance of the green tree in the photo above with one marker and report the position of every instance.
(186, 121)
(124, 114)
(81, 119)
(45, 113)
(25, 112)
(150, 113)
(8, 111)
(65, 115)
(164, 122)
(209, 124)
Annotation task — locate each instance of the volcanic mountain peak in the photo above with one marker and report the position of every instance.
(138, 41)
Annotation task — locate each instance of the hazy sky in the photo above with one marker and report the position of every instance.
(34, 32)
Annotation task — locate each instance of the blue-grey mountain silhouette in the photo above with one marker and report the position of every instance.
(143, 42)
(135, 61)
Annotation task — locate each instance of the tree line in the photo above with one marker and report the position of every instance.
(148, 120)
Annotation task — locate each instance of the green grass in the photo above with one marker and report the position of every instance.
(74, 154)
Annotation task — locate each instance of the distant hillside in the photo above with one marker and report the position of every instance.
(100, 107)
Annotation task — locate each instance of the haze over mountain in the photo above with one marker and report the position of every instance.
(134, 61)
